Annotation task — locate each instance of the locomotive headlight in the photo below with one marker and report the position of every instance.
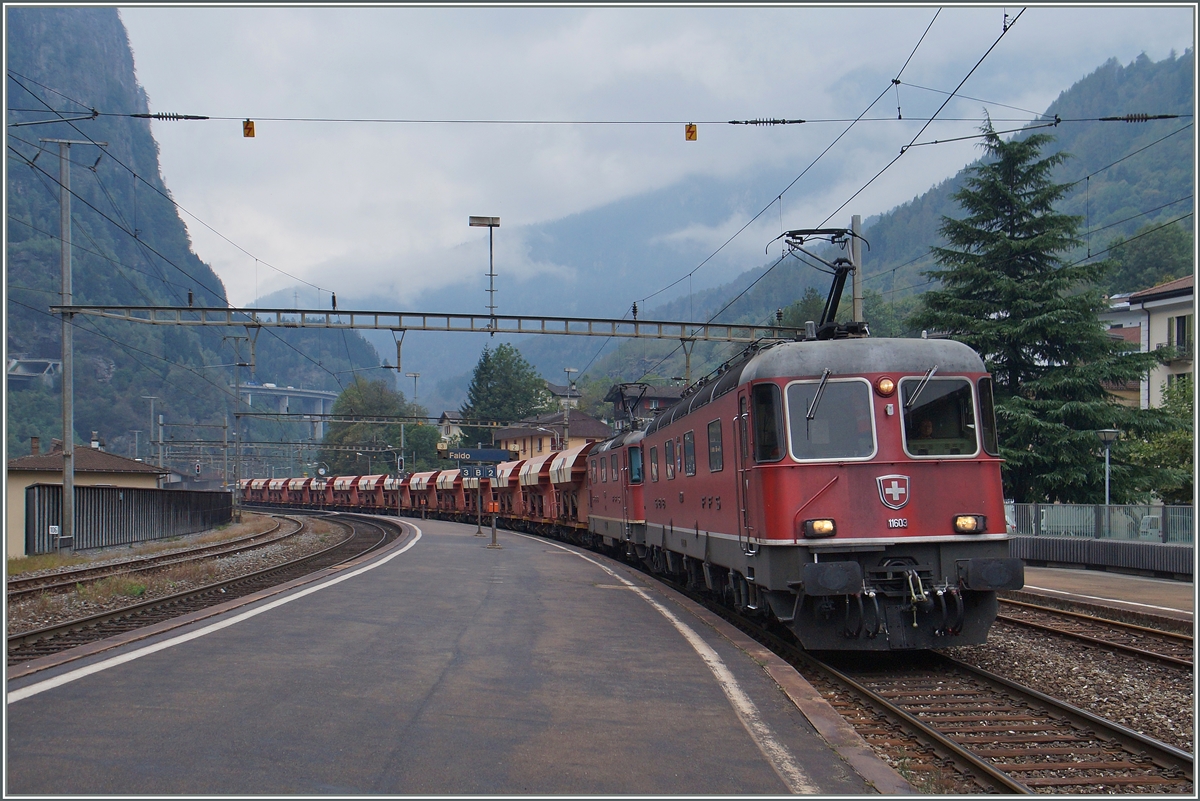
(970, 524)
(819, 528)
(885, 386)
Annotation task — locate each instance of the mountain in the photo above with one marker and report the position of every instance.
(1126, 175)
(129, 247)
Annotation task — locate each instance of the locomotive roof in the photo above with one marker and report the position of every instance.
(840, 356)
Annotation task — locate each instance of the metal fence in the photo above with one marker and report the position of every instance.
(1140, 523)
(107, 516)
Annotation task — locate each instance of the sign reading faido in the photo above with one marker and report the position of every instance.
(478, 454)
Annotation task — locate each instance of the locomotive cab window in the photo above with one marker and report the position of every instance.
(987, 417)
(831, 419)
(768, 423)
(716, 458)
(654, 463)
(689, 453)
(669, 458)
(635, 465)
(939, 417)
(613, 462)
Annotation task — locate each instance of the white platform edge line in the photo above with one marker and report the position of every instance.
(79, 673)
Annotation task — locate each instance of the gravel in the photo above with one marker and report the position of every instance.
(31, 613)
(1154, 700)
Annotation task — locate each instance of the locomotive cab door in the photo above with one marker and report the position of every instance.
(742, 485)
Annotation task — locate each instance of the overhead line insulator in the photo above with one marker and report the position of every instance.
(765, 122)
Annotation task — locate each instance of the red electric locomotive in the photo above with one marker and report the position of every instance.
(850, 488)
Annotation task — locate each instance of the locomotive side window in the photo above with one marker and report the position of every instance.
(841, 424)
(603, 471)
(654, 463)
(939, 420)
(987, 417)
(716, 459)
(592, 472)
(689, 453)
(669, 458)
(768, 424)
(635, 465)
(613, 462)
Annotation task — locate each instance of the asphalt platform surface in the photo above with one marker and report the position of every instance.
(1149, 596)
(440, 667)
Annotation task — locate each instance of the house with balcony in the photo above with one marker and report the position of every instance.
(634, 403)
(553, 431)
(1170, 322)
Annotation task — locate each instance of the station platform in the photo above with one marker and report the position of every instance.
(1152, 597)
(439, 667)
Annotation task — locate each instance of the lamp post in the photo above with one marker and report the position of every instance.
(414, 377)
(489, 223)
(1108, 436)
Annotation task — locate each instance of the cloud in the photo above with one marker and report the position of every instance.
(347, 204)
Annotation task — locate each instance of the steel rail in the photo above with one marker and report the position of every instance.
(422, 321)
(20, 587)
(30, 638)
(1117, 626)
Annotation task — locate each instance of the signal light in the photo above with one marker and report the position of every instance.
(823, 527)
(970, 524)
(885, 386)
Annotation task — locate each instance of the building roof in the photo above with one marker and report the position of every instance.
(449, 416)
(1171, 289)
(1130, 333)
(581, 425)
(562, 391)
(87, 460)
(652, 393)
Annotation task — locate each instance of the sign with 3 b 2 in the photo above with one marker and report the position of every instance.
(482, 471)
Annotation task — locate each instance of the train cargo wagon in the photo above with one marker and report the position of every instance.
(296, 491)
(345, 492)
(536, 489)
(568, 473)
(404, 497)
(477, 495)
(507, 489)
(448, 486)
(320, 493)
(391, 493)
(277, 490)
(421, 489)
(256, 491)
(370, 492)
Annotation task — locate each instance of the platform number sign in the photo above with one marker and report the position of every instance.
(689, 132)
(248, 129)
(479, 471)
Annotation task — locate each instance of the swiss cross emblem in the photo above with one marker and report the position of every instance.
(893, 490)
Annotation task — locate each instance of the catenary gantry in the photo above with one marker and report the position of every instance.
(422, 321)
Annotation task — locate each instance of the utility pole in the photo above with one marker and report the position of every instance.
(160, 440)
(856, 259)
(238, 364)
(67, 529)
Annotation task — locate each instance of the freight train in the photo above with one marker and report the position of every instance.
(844, 486)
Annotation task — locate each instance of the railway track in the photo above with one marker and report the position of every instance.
(1003, 737)
(1147, 643)
(365, 536)
(953, 728)
(55, 582)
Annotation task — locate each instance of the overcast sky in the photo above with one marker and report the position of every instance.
(380, 209)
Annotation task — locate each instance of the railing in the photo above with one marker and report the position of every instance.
(1133, 522)
(106, 516)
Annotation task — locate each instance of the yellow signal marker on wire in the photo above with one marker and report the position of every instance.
(248, 129)
(689, 132)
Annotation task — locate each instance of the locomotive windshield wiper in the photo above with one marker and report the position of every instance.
(812, 408)
(909, 403)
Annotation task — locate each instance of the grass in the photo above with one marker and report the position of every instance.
(251, 524)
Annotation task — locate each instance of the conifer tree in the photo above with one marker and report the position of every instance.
(1008, 291)
(504, 388)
